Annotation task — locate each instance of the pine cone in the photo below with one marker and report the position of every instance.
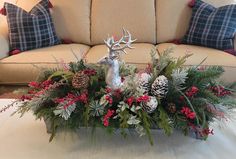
(80, 80)
(171, 107)
(160, 87)
(151, 105)
(143, 82)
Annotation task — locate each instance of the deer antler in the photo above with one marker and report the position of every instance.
(115, 46)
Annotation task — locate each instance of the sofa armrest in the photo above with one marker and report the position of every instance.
(4, 40)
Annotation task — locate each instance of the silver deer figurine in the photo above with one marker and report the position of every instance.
(115, 48)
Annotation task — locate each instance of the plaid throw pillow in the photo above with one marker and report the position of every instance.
(30, 30)
(212, 27)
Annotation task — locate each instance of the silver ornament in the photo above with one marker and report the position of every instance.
(113, 78)
(160, 87)
(151, 105)
(143, 82)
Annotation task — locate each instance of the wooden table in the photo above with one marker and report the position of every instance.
(25, 138)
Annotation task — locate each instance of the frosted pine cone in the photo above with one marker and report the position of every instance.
(160, 87)
(143, 82)
(80, 81)
(151, 105)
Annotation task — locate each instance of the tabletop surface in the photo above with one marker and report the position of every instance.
(25, 138)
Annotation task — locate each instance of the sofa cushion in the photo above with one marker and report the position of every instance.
(214, 58)
(30, 30)
(25, 67)
(173, 17)
(71, 18)
(109, 16)
(140, 55)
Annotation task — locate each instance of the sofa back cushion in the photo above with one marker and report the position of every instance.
(173, 17)
(71, 18)
(110, 16)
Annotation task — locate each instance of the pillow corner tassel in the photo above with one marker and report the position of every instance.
(230, 51)
(192, 3)
(14, 52)
(3, 11)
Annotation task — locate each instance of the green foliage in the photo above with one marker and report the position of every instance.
(96, 109)
(125, 102)
(202, 78)
(145, 119)
(164, 121)
(77, 66)
(179, 78)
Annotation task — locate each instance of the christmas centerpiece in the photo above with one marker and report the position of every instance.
(114, 95)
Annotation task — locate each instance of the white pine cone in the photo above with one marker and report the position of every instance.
(160, 87)
(143, 82)
(151, 105)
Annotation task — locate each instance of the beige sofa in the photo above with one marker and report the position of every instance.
(88, 22)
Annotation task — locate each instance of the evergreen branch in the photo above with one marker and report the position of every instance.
(163, 121)
(204, 119)
(8, 106)
(86, 115)
(146, 125)
(208, 95)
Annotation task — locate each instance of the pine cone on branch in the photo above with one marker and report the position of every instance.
(160, 87)
(80, 80)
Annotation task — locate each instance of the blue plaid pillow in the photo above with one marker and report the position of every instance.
(212, 27)
(30, 30)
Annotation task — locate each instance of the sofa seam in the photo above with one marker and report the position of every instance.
(90, 21)
(155, 9)
(54, 63)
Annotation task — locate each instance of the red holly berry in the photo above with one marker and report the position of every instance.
(188, 113)
(144, 98)
(130, 101)
(107, 117)
(192, 91)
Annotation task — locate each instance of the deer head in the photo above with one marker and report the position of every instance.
(116, 48)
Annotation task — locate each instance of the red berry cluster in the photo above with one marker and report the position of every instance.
(117, 93)
(144, 98)
(192, 91)
(90, 72)
(108, 90)
(107, 117)
(112, 93)
(202, 132)
(188, 113)
(206, 132)
(26, 97)
(131, 100)
(109, 99)
(220, 91)
(42, 85)
(71, 99)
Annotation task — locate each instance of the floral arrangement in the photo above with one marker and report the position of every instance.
(166, 95)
